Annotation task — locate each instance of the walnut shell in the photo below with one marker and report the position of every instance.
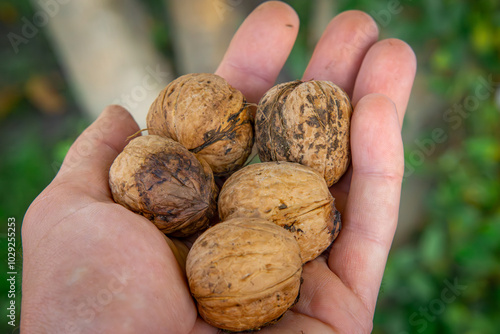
(244, 273)
(161, 180)
(289, 194)
(207, 116)
(306, 122)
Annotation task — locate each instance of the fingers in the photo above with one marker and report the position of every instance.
(340, 190)
(340, 51)
(293, 322)
(259, 49)
(201, 327)
(89, 158)
(324, 296)
(388, 68)
(360, 252)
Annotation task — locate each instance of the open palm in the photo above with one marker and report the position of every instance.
(91, 266)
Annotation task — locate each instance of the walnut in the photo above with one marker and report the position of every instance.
(289, 194)
(244, 273)
(161, 180)
(207, 116)
(306, 122)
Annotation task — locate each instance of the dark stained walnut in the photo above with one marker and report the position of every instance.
(306, 122)
(291, 195)
(206, 115)
(244, 273)
(161, 180)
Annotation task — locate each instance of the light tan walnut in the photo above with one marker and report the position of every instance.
(291, 195)
(244, 273)
(207, 116)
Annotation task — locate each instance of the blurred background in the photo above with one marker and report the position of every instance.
(62, 62)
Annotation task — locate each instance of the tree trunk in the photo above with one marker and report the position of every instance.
(106, 51)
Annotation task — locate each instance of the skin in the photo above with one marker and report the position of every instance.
(91, 266)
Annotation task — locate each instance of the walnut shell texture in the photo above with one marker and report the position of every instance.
(207, 116)
(291, 195)
(161, 180)
(244, 273)
(306, 122)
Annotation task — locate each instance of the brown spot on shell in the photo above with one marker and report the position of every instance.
(161, 180)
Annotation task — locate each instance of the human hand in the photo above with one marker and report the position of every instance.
(92, 266)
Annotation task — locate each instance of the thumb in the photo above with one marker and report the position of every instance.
(88, 160)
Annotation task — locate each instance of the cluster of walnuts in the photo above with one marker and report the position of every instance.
(244, 272)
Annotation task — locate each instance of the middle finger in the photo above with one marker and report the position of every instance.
(340, 51)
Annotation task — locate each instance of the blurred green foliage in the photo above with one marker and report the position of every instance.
(457, 243)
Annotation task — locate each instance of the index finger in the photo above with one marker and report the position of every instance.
(259, 49)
